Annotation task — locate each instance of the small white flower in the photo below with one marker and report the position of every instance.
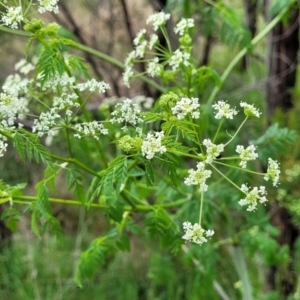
(3, 146)
(178, 58)
(48, 5)
(223, 110)
(250, 110)
(158, 19)
(198, 177)
(126, 112)
(46, 123)
(273, 171)
(24, 67)
(154, 67)
(13, 17)
(143, 102)
(63, 80)
(65, 100)
(253, 197)
(212, 150)
(195, 233)
(139, 37)
(93, 85)
(127, 75)
(93, 129)
(183, 25)
(246, 154)
(129, 61)
(152, 144)
(10, 108)
(140, 49)
(153, 41)
(186, 106)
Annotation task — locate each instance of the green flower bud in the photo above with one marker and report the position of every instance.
(34, 26)
(186, 40)
(167, 101)
(128, 144)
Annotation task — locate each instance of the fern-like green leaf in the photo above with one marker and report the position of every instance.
(51, 62)
(115, 175)
(90, 260)
(275, 141)
(28, 144)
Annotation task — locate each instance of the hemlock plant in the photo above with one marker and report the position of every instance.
(167, 134)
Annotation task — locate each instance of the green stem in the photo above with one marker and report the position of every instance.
(25, 199)
(69, 142)
(237, 131)
(201, 206)
(220, 125)
(225, 177)
(75, 162)
(243, 52)
(165, 34)
(5, 200)
(116, 63)
(196, 133)
(187, 155)
(238, 168)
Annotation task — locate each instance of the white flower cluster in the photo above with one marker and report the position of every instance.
(153, 144)
(246, 154)
(273, 171)
(11, 107)
(46, 122)
(250, 110)
(154, 67)
(223, 110)
(92, 129)
(140, 37)
(183, 25)
(212, 150)
(195, 233)
(63, 81)
(153, 41)
(93, 85)
(24, 67)
(253, 196)
(126, 112)
(141, 101)
(48, 5)
(16, 85)
(65, 100)
(158, 19)
(13, 17)
(127, 75)
(186, 106)
(198, 177)
(3, 145)
(179, 57)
